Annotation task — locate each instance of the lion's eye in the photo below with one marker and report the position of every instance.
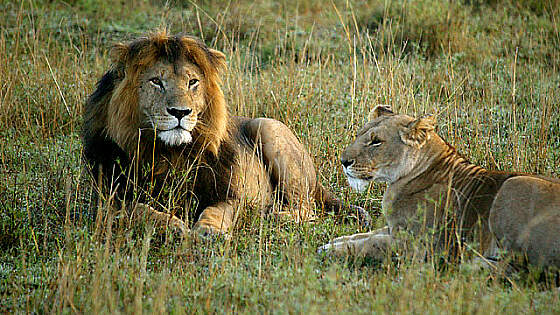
(193, 83)
(157, 82)
(375, 142)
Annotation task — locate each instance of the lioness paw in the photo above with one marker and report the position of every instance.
(337, 249)
(371, 244)
(323, 250)
(364, 219)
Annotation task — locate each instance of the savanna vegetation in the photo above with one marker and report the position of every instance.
(488, 70)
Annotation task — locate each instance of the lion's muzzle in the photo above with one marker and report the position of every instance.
(176, 126)
(179, 113)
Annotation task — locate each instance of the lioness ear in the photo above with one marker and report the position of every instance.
(380, 110)
(417, 132)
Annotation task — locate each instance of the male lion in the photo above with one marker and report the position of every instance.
(435, 192)
(157, 129)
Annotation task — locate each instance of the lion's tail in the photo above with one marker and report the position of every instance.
(326, 200)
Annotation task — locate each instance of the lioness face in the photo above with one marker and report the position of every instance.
(386, 148)
(170, 100)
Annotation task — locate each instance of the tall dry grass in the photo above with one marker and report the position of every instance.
(488, 71)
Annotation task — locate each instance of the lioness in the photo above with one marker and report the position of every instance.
(157, 130)
(433, 190)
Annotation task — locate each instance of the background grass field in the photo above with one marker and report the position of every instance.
(489, 70)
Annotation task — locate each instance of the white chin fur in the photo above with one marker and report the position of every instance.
(175, 137)
(357, 184)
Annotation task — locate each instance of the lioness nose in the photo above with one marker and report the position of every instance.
(179, 113)
(346, 162)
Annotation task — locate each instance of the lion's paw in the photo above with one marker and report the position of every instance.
(209, 232)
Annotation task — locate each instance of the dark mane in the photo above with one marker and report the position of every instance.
(137, 164)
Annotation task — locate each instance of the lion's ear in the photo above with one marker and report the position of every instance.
(119, 53)
(417, 132)
(380, 110)
(210, 60)
(217, 59)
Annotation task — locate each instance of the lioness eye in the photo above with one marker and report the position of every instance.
(193, 83)
(157, 82)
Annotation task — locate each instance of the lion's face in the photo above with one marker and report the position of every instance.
(170, 99)
(167, 86)
(387, 148)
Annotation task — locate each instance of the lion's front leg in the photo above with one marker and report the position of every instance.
(372, 244)
(161, 219)
(215, 219)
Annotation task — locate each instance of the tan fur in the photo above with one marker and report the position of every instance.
(436, 193)
(228, 163)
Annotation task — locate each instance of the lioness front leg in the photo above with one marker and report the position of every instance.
(372, 244)
(216, 219)
(160, 219)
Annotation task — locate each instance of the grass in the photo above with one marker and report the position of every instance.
(489, 71)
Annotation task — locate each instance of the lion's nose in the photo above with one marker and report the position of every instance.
(179, 113)
(347, 163)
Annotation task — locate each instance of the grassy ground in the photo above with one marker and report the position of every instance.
(488, 69)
